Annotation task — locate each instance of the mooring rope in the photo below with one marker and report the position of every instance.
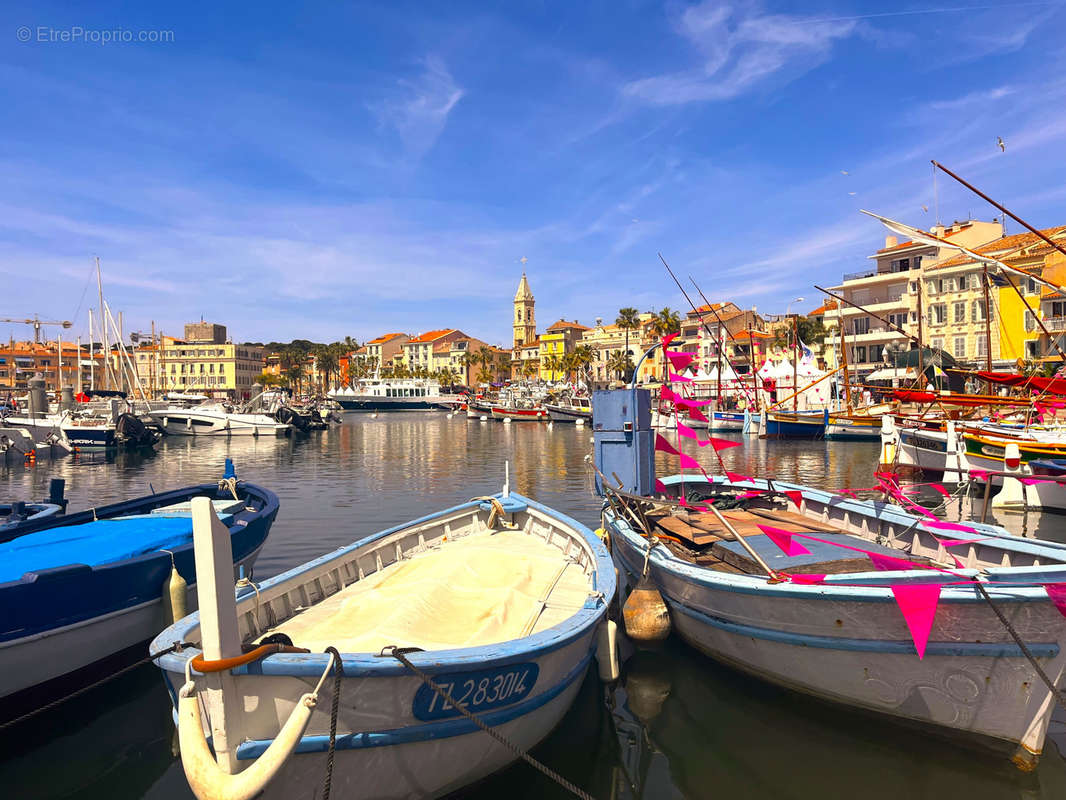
(446, 696)
(338, 675)
(177, 646)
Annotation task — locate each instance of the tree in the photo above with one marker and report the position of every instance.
(582, 358)
(267, 379)
(327, 362)
(665, 322)
(620, 363)
(628, 320)
(295, 375)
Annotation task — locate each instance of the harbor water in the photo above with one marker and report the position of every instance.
(676, 725)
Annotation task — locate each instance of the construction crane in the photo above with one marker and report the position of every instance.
(37, 323)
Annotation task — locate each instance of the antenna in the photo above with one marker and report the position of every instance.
(936, 198)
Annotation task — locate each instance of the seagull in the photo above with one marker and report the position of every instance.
(844, 172)
(1002, 144)
(925, 209)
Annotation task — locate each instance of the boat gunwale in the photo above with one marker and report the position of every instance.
(834, 587)
(569, 630)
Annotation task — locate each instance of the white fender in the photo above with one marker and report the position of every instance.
(206, 779)
(607, 650)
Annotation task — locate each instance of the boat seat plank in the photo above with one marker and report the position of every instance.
(821, 558)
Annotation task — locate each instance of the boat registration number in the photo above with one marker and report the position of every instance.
(475, 691)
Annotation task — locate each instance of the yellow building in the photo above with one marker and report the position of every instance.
(214, 366)
(955, 302)
(559, 340)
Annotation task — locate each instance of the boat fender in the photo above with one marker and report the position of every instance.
(174, 594)
(206, 778)
(646, 617)
(607, 650)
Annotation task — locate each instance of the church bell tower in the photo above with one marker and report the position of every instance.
(525, 324)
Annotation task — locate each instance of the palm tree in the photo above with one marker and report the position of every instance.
(295, 376)
(619, 362)
(582, 357)
(628, 320)
(665, 322)
(327, 363)
(551, 364)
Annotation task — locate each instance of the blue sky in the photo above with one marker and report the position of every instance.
(352, 169)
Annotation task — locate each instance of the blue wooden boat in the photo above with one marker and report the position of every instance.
(499, 601)
(796, 424)
(81, 592)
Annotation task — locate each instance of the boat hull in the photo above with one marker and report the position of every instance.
(851, 646)
(187, 423)
(726, 421)
(391, 403)
(865, 429)
(568, 414)
(781, 425)
(66, 618)
(520, 414)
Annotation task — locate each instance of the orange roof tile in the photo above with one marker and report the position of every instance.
(1005, 245)
(430, 336)
(564, 324)
(388, 337)
(828, 305)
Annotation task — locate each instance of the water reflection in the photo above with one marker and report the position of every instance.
(677, 725)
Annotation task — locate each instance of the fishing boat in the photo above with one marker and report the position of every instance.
(84, 590)
(572, 410)
(725, 421)
(853, 427)
(221, 418)
(795, 424)
(822, 620)
(495, 602)
(14, 515)
(520, 413)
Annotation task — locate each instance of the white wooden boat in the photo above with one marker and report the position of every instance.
(842, 637)
(217, 419)
(497, 600)
(726, 421)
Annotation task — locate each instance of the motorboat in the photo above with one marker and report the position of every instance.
(392, 394)
(219, 418)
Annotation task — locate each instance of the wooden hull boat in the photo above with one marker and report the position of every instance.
(568, 413)
(795, 425)
(81, 588)
(843, 638)
(498, 601)
(520, 414)
(854, 427)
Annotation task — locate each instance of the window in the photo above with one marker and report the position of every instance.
(901, 265)
(959, 350)
(938, 343)
(914, 287)
(1030, 321)
(950, 285)
(959, 312)
(899, 320)
(930, 288)
(982, 346)
(1032, 348)
(859, 352)
(1030, 286)
(978, 311)
(876, 351)
(1058, 308)
(862, 325)
(938, 313)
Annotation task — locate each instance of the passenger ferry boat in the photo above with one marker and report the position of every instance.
(395, 394)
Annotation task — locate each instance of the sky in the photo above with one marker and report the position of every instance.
(345, 169)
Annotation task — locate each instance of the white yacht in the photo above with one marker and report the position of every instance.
(218, 418)
(392, 394)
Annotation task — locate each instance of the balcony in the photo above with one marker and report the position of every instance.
(854, 276)
(1057, 324)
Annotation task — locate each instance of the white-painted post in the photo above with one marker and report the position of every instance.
(220, 637)
(1014, 495)
(506, 479)
(888, 440)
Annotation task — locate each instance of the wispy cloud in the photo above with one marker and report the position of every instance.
(417, 109)
(740, 48)
(982, 97)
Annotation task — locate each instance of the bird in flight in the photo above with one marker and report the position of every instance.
(1002, 144)
(925, 209)
(844, 172)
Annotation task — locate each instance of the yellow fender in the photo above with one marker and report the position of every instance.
(206, 779)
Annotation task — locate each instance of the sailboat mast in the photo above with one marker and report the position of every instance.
(988, 328)
(751, 368)
(103, 328)
(92, 365)
(795, 362)
(844, 360)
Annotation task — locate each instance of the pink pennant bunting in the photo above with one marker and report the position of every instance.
(750, 493)
(889, 563)
(689, 403)
(665, 446)
(722, 444)
(936, 487)
(957, 542)
(1034, 481)
(688, 462)
(783, 539)
(736, 477)
(918, 602)
(848, 493)
(795, 496)
(979, 474)
(660, 487)
(668, 338)
(669, 394)
(682, 502)
(679, 378)
(811, 578)
(695, 413)
(1056, 592)
(680, 360)
(685, 430)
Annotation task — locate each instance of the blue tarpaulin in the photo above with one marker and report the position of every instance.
(94, 543)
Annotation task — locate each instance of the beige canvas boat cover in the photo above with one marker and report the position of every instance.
(474, 590)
